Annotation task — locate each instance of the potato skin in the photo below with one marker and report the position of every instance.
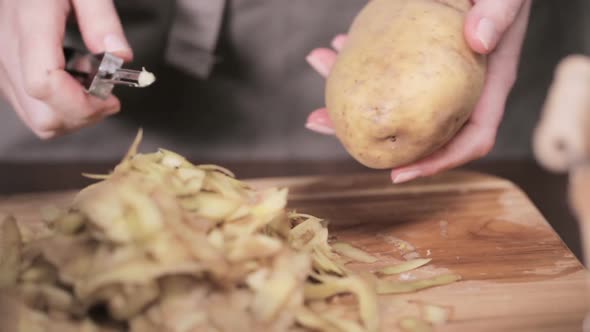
(405, 82)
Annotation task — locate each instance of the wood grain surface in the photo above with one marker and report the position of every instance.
(517, 273)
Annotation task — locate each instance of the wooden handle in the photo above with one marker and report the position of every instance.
(562, 140)
(562, 137)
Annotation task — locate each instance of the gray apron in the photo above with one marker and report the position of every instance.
(233, 83)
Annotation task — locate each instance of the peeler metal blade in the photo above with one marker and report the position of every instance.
(99, 73)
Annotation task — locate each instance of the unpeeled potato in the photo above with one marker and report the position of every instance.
(405, 82)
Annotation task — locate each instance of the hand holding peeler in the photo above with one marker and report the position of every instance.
(99, 73)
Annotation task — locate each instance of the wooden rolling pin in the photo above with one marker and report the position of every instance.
(562, 140)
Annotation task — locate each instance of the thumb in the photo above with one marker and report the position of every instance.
(101, 28)
(488, 20)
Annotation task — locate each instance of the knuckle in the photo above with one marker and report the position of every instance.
(36, 87)
(44, 124)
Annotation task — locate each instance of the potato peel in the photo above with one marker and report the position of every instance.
(398, 287)
(10, 252)
(436, 315)
(405, 266)
(352, 252)
(161, 244)
(414, 324)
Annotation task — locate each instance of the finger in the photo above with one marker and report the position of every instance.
(338, 42)
(502, 69)
(40, 114)
(471, 143)
(488, 20)
(477, 138)
(68, 108)
(14, 97)
(50, 98)
(319, 121)
(40, 31)
(38, 55)
(101, 28)
(322, 60)
(559, 139)
(74, 106)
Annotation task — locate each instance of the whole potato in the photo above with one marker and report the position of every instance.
(405, 82)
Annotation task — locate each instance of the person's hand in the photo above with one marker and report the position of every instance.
(32, 79)
(492, 27)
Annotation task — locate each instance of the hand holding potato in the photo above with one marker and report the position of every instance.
(32, 79)
(494, 28)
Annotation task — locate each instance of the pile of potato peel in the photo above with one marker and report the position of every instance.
(160, 244)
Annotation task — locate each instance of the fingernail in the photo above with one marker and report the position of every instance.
(319, 128)
(318, 65)
(406, 176)
(114, 43)
(486, 32)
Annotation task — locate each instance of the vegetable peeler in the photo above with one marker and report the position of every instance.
(99, 73)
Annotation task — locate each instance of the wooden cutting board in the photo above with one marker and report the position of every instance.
(517, 273)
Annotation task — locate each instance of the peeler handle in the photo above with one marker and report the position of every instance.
(92, 69)
(99, 73)
(81, 65)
